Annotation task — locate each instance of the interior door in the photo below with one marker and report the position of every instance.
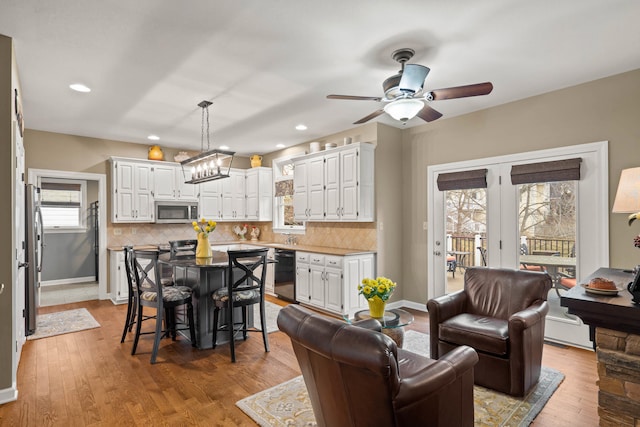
(19, 244)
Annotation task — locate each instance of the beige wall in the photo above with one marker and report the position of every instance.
(603, 110)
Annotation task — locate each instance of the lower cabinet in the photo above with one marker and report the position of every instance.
(269, 282)
(330, 282)
(118, 285)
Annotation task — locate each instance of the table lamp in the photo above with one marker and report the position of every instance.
(628, 201)
(628, 194)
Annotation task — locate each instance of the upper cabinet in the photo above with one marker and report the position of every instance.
(259, 194)
(169, 184)
(132, 184)
(247, 195)
(335, 185)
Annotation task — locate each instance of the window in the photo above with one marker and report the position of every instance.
(283, 218)
(63, 204)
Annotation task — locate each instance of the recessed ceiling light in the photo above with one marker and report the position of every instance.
(224, 147)
(280, 146)
(153, 137)
(79, 87)
(301, 126)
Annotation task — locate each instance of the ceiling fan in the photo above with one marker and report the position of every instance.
(403, 92)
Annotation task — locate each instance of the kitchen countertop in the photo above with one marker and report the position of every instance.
(303, 248)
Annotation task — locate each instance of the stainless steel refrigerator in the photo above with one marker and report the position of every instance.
(34, 243)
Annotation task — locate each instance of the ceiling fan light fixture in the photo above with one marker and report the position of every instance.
(404, 109)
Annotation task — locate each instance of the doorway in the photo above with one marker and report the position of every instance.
(92, 180)
(511, 220)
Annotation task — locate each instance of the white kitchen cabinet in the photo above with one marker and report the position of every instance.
(233, 196)
(244, 196)
(330, 282)
(332, 186)
(333, 288)
(169, 183)
(118, 285)
(302, 277)
(259, 194)
(269, 286)
(132, 189)
(308, 195)
(337, 185)
(211, 200)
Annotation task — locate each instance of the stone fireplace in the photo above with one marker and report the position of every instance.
(618, 356)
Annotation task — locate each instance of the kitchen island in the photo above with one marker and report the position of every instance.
(204, 275)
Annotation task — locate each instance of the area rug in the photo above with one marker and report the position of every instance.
(271, 313)
(288, 404)
(63, 322)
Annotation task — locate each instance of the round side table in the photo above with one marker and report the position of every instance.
(393, 323)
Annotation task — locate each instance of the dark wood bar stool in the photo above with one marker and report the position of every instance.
(243, 289)
(152, 293)
(132, 302)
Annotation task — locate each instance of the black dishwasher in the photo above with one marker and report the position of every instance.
(285, 274)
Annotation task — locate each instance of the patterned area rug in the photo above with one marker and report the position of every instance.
(63, 322)
(271, 313)
(287, 404)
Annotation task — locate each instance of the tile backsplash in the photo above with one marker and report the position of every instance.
(346, 235)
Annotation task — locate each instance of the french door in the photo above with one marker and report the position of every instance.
(497, 225)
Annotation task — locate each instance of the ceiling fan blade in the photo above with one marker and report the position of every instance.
(355, 98)
(369, 117)
(428, 114)
(413, 77)
(460, 91)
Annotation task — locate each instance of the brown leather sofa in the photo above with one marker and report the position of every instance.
(358, 377)
(501, 314)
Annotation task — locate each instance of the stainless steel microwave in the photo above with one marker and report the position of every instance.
(176, 212)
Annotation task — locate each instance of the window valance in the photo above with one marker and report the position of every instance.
(558, 170)
(462, 180)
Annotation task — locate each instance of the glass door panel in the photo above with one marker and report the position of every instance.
(466, 229)
(547, 237)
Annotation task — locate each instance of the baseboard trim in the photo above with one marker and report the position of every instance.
(408, 304)
(69, 281)
(9, 394)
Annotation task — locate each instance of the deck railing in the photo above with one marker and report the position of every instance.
(561, 247)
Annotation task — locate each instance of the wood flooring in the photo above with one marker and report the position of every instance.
(88, 378)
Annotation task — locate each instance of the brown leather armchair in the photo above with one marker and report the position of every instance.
(358, 377)
(501, 314)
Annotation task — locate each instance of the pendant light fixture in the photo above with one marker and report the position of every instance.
(209, 165)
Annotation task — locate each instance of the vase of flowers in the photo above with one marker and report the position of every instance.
(377, 292)
(203, 228)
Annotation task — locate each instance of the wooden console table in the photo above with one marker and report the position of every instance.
(614, 328)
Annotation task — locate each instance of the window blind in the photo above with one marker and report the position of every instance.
(558, 170)
(476, 178)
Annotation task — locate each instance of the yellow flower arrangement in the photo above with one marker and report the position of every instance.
(204, 226)
(380, 287)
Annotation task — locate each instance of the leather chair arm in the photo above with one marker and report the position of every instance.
(434, 377)
(441, 309)
(446, 306)
(371, 324)
(528, 317)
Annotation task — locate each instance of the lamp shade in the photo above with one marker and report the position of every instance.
(628, 194)
(404, 109)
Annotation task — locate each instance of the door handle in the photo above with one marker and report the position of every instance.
(437, 253)
(23, 264)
